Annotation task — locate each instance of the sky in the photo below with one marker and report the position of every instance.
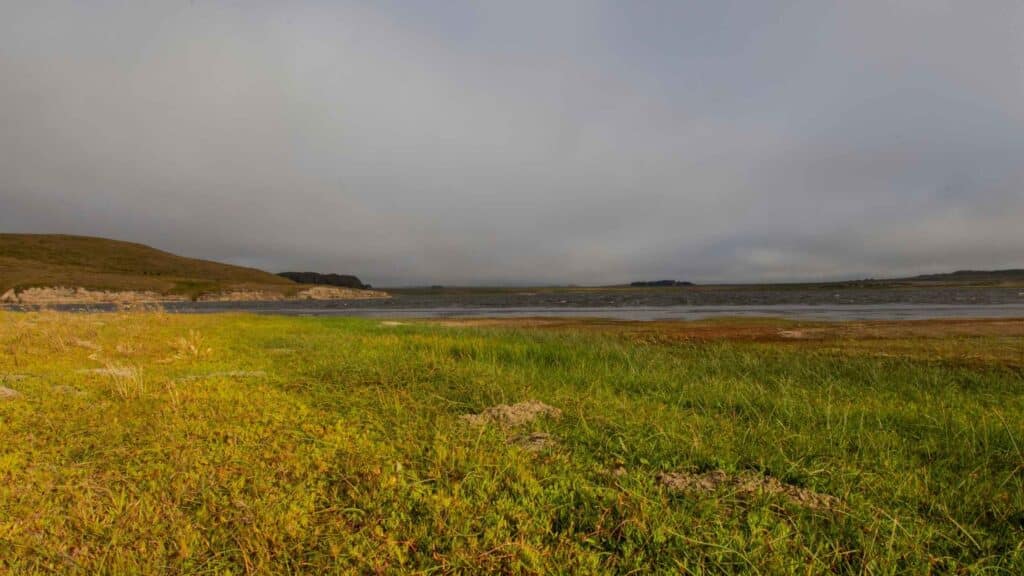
(523, 142)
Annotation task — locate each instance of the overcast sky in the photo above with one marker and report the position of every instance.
(521, 142)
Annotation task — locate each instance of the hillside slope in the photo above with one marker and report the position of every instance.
(47, 260)
(989, 276)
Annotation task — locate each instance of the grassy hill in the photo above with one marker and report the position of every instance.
(44, 260)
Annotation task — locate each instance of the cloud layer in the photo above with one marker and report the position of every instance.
(523, 142)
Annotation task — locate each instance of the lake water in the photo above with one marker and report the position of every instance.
(807, 311)
(640, 304)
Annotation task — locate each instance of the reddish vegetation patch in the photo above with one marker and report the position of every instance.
(966, 341)
(762, 329)
(745, 485)
(513, 414)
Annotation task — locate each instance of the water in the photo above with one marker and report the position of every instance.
(673, 304)
(792, 311)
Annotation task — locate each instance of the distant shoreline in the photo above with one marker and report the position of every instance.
(59, 295)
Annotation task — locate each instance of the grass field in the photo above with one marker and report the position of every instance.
(158, 443)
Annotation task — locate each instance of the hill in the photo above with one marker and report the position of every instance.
(659, 284)
(342, 280)
(1013, 275)
(99, 264)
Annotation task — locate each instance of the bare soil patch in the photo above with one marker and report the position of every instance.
(8, 393)
(240, 374)
(226, 374)
(118, 371)
(533, 442)
(511, 415)
(745, 485)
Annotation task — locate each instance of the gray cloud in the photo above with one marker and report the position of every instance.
(523, 142)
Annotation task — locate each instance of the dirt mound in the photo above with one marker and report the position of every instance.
(746, 484)
(513, 414)
(686, 482)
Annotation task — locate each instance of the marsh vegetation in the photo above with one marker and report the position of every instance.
(163, 443)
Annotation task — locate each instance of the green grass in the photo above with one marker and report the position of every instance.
(157, 443)
(46, 260)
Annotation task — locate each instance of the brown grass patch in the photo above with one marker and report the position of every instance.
(65, 389)
(115, 371)
(762, 329)
(225, 374)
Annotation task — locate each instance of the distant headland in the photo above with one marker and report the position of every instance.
(64, 269)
